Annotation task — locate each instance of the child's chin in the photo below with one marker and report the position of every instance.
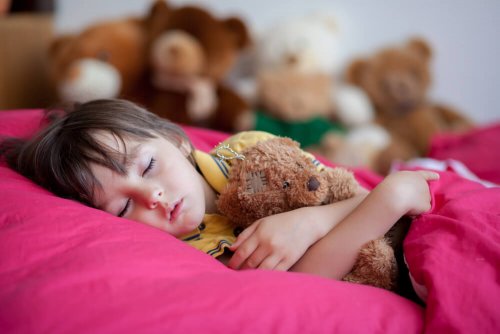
(190, 225)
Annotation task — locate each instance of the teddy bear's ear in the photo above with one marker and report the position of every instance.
(356, 71)
(239, 30)
(420, 47)
(159, 7)
(157, 16)
(59, 43)
(286, 141)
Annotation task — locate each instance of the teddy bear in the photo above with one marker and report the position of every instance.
(105, 60)
(275, 175)
(190, 52)
(296, 92)
(397, 80)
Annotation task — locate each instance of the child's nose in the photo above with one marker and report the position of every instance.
(154, 197)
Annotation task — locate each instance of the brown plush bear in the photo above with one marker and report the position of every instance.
(190, 53)
(106, 60)
(276, 176)
(397, 80)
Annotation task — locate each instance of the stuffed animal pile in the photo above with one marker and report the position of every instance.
(174, 61)
(297, 93)
(276, 176)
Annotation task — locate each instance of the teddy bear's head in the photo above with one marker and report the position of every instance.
(396, 79)
(276, 176)
(190, 41)
(308, 44)
(104, 61)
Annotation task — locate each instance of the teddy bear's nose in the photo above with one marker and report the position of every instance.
(312, 184)
(174, 51)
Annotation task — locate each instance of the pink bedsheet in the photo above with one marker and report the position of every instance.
(68, 268)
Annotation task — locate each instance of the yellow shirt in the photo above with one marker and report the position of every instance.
(215, 234)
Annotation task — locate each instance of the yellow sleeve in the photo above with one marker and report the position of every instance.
(215, 170)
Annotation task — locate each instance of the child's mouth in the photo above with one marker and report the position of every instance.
(176, 211)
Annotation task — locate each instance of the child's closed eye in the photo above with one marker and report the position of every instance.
(150, 166)
(125, 209)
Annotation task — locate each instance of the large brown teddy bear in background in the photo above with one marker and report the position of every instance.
(275, 176)
(191, 51)
(106, 60)
(397, 80)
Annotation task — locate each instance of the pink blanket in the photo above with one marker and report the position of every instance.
(68, 268)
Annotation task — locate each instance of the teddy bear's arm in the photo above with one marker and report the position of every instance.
(453, 119)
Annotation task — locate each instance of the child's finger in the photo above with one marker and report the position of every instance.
(429, 175)
(243, 236)
(254, 260)
(242, 253)
(283, 265)
(270, 262)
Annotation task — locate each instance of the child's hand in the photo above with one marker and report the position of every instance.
(411, 190)
(275, 242)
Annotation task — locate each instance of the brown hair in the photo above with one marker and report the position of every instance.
(59, 157)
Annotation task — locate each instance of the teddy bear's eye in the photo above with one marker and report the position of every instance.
(286, 184)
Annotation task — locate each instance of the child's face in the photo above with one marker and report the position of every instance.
(161, 187)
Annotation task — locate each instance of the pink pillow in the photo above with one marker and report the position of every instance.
(68, 268)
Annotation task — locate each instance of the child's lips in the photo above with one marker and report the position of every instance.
(177, 208)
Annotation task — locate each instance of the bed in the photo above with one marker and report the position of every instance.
(68, 268)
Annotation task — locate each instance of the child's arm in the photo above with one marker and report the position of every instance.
(402, 193)
(277, 242)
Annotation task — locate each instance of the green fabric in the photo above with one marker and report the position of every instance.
(306, 133)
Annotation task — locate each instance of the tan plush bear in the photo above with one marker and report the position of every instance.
(276, 176)
(397, 80)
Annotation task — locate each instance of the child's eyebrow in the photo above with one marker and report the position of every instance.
(130, 158)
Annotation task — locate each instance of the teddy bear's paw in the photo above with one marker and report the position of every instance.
(202, 101)
(375, 265)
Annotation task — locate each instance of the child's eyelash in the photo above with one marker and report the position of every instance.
(150, 166)
(125, 209)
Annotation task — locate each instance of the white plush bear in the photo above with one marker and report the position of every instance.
(297, 81)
